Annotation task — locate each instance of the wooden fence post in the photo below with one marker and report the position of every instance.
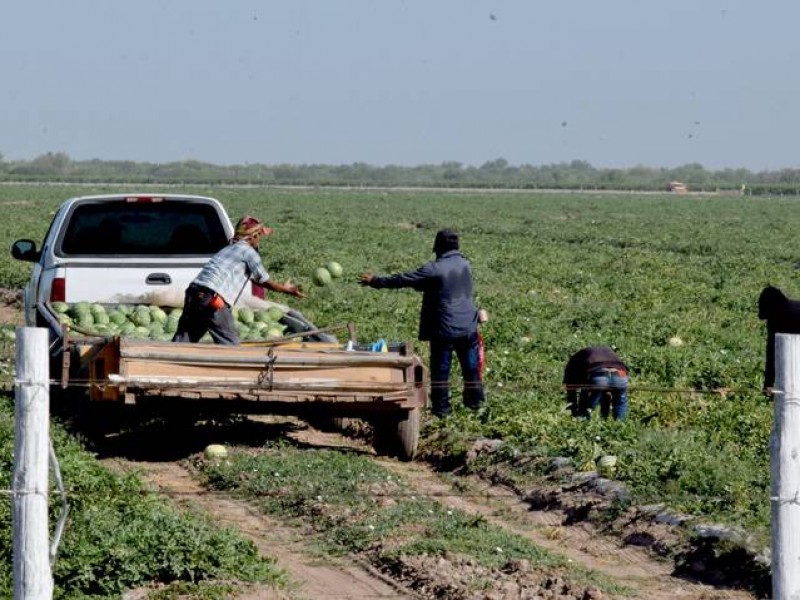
(785, 456)
(33, 579)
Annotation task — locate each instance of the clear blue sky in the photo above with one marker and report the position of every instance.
(406, 82)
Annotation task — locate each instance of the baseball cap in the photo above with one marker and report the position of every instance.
(248, 225)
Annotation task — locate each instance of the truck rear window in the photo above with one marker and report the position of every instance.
(142, 229)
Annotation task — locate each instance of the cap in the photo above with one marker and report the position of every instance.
(248, 226)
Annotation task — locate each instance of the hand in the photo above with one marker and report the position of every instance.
(294, 290)
(365, 278)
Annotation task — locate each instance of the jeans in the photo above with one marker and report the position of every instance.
(199, 317)
(609, 389)
(467, 350)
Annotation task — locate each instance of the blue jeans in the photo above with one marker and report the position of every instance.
(609, 389)
(467, 350)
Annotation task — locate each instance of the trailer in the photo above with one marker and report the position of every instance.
(315, 380)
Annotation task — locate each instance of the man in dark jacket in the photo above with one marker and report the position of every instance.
(782, 316)
(448, 319)
(596, 375)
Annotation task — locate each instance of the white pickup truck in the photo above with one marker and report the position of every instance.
(123, 248)
(144, 249)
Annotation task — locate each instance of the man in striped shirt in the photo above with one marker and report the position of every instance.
(209, 298)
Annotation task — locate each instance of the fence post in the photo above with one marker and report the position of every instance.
(33, 579)
(785, 456)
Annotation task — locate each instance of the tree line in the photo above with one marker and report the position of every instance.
(498, 173)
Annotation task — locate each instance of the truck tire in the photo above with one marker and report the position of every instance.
(397, 435)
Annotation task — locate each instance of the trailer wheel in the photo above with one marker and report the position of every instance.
(397, 434)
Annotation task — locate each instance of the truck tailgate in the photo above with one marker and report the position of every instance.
(104, 283)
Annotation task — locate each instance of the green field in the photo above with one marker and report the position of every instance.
(556, 272)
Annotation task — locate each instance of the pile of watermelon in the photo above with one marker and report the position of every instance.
(152, 322)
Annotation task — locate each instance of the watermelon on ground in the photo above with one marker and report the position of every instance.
(335, 269)
(321, 276)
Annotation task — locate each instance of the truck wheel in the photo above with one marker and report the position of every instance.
(397, 434)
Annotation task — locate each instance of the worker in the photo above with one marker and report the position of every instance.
(596, 375)
(782, 316)
(448, 319)
(209, 298)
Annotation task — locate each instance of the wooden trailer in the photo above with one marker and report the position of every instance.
(314, 380)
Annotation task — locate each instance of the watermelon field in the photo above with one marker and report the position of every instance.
(670, 282)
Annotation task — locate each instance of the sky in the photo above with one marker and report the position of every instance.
(403, 82)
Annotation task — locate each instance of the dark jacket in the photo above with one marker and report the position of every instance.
(448, 310)
(782, 316)
(579, 365)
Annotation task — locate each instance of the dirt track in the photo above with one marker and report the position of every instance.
(317, 577)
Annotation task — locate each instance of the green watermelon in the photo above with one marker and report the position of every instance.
(246, 315)
(117, 317)
(80, 308)
(335, 269)
(321, 276)
(60, 307)
(141, 318)
(274, 332)
(275, 313)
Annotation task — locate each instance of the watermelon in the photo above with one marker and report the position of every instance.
(246, 315)
(275, 313)
(274, 332)
(322, 276)
(117, 317)
(335, 269)
(607, 466)
(141, 318)
(262, 316)
(158, 315)
(215, 451)
(84, 320)
(60, 307)
(80, 308)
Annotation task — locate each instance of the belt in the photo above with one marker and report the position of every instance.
(614, 370)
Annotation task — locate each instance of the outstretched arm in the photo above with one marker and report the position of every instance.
(417, 279)
(284, 288)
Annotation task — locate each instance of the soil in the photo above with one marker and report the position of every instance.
(629, 557)
(11, 307)
(630, 564)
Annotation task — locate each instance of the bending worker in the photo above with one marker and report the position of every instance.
(448, 319)
(596, 375)
(209, 298)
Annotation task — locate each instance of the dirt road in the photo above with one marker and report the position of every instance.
(317, 577)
